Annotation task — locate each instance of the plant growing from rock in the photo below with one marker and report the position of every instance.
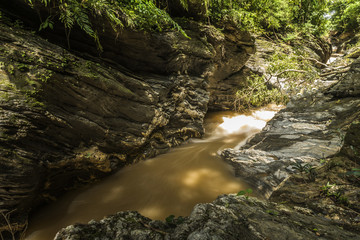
(305, 168)
(173, 221)
(337, 195)
(291, 71)
(256, 93)
(245, 193)
(325, 188)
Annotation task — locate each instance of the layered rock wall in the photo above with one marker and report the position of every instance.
(69, 119)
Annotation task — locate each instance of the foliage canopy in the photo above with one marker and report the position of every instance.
(345, 15)
(274, 16)
(140, 14)
(261, 16)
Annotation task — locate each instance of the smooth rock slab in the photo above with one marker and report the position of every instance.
(311, 128)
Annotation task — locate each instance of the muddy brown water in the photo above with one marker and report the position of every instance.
(169, 184)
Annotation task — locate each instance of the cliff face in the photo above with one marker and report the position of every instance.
(66, 120)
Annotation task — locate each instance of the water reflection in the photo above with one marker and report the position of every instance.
(171, 183)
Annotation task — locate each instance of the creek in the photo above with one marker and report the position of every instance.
(169, 184)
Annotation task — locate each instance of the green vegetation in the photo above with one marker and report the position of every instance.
(293, 65)
(345, 15)
(139, 14)
(256, 93)
(329, 190)
(263, 16)
(286, 21)
(325, 189)
(302, 167)
(245, 193)
(305, 168)
(288, 70)
(173, 221)
(273, 16)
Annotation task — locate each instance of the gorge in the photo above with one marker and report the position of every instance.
(73, 111)
(169, 184)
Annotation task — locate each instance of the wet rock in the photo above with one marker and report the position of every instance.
(228, 217)
(222, 97)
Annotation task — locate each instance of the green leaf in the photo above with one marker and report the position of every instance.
(170, 219)
(241, 193)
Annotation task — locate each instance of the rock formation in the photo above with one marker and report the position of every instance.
(303, 159)
(68, 119)
(309, 129)
(228, 217)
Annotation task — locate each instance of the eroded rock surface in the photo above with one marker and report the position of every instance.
(307, 130)
(331, 190)
(229, 217)
(303, 159)
(66, 120)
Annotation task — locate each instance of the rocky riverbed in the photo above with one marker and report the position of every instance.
(305, 161)
(71, 118)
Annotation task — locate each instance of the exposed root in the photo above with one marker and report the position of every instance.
(12, 228)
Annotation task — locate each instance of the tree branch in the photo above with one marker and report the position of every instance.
(334, 72)
(314, 60)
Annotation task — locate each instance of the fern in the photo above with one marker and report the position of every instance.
(66, 16)
(82, 19)
(142, 14)
(101, 8)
